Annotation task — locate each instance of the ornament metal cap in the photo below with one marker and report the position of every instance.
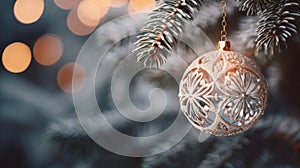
(224, 46)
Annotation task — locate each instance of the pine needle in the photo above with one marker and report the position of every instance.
(163, 30)
(278, 23)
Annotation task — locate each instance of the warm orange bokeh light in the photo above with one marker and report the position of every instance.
(28, 11)
(48, 49)
(16, 57)
(91, 11)
(141, 5)
(118, 3)
(66, 4)
(71, 77)
(76, 26)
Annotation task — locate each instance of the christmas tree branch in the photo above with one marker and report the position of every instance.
(163, 30)
(223, 150)
(73, 139)
(277, 23)
(189, 147)
(234, 151)
(253, 7)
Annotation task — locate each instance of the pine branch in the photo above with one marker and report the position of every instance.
(189, 147)
(73, 139)
(253, 7)
(163, 30)
(277, 23)
(244, 40)
(279, 124)
(159, 1)
(262, 143)
(223, 150)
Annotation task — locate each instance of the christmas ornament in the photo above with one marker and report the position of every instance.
(223, 92)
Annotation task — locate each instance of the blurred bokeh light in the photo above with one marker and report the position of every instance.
(48, 49)
(76, 26)
(66, 4)
(28, 11)
(16, 57)
(118, 3)
(71, 77)
(141, 6)
(91, 11)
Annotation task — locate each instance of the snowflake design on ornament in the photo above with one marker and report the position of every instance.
(224, 95)
(195, 94)
(244, 100)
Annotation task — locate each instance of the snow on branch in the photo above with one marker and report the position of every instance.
(277, 23)
(163, 30)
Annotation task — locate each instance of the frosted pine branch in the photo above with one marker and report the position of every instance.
(71, 136)
(163, 30)
(278, 23)
(235, 151)
(187, 153)
(222, 151)
(252, 7)
(244, 39)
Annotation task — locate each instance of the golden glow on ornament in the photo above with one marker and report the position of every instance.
(16, 57)
(48, 49)
(66, 4)
(28, 11)
(75, 25)
(71, 77)
(223, 93)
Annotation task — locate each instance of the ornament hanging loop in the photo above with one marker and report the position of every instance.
(224, 22)
(224, 44)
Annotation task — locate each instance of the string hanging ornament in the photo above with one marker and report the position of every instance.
(223, 92)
